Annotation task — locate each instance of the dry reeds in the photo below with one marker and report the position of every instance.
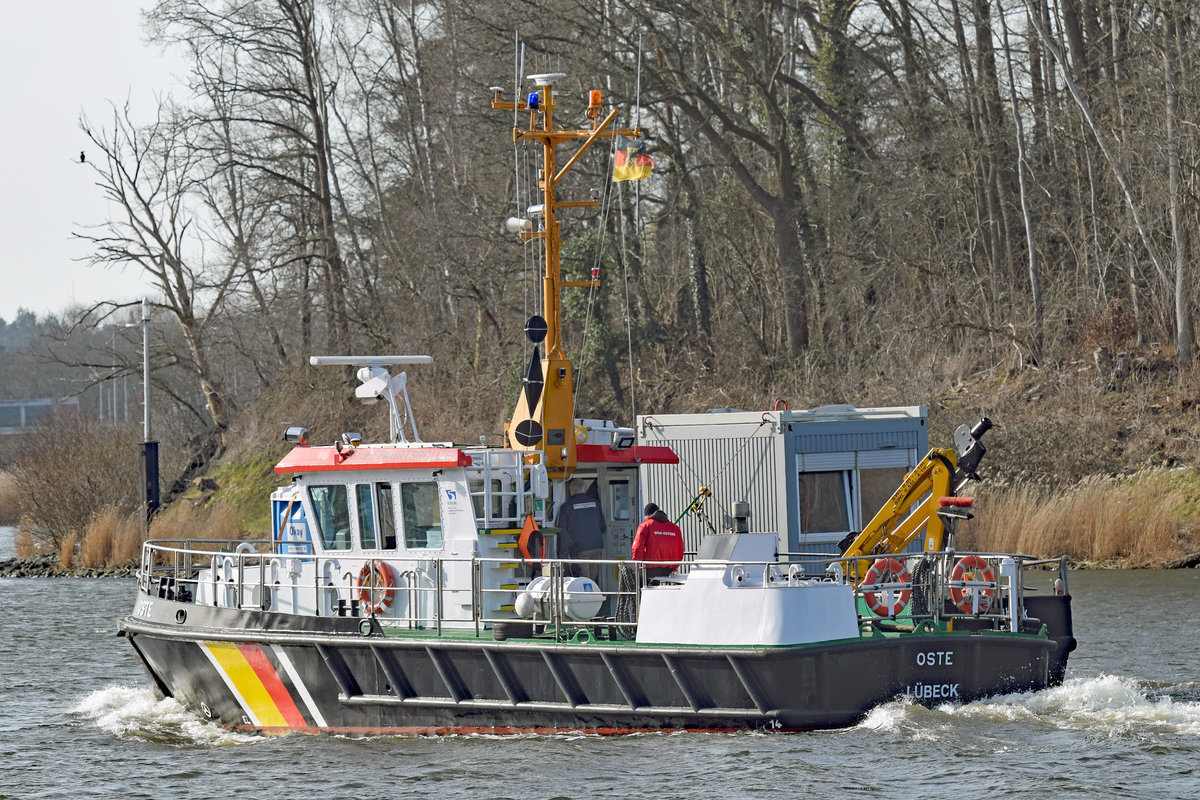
(112, 538)
(1145, 520)
(25, 544)
(10, 509)
(60, 488)
(66, 552)
(206, 527)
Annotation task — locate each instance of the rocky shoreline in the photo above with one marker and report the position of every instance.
(47, 566)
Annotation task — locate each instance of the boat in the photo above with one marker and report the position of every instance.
(412, 587)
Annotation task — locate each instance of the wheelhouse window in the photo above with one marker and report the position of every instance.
(366, 516)
(422, 515)
(387, 514)
(376, 516)
(331, 513)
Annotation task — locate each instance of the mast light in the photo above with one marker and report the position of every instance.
(517, 224)
(296, 434)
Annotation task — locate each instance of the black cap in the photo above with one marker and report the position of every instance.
(649, 509)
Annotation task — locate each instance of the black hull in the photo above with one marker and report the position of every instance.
(276, 674)
(1054, 611)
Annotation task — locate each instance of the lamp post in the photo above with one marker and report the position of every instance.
(149, 463)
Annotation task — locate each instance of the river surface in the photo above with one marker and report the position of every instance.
(77, 718)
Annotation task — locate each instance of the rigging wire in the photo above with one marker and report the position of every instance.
(601, 238)
(637, 121)
(518, 63)
(747, 478)
(518, 56)
(637, 116)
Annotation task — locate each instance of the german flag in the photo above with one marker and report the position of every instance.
(632, 162)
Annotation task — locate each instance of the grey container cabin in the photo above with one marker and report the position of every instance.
(810, 476)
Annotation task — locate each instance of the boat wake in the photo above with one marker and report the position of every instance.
(136, 713)
(1109, 705)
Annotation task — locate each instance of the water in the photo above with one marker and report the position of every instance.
(75, 712)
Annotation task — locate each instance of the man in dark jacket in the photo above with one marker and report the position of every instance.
(582, 526)
(658, 539)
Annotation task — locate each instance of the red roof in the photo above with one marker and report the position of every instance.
(637, 454)
(327, 458)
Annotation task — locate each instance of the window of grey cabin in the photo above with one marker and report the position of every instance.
(422, 514)
(824, 502)
(331, 512)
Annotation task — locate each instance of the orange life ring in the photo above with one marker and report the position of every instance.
(875, 575)
(381, 581)
(977, 569)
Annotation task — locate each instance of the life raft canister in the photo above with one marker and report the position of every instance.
(875, 575)
(381, 581)
(972, 568)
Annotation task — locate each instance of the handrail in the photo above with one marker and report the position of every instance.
(421, 592)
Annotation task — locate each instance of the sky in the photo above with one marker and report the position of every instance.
(60, 59)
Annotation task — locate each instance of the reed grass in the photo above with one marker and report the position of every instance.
(10, 508)
(1144, 520)
(211, 526)
(96, 546)
(127, 540)
(25, 544)
(113, 538)
(66, 552)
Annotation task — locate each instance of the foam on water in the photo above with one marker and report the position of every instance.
(129, 712)
(1110, 705)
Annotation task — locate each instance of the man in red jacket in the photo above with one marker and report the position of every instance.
(658, 539)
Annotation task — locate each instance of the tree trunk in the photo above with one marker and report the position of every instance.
(1171, 58)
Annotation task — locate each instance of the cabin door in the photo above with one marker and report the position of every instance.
(619, 497)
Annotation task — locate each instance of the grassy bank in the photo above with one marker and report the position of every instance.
(1149, 519)
(231, 506)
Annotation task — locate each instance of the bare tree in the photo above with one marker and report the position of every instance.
(149, 174)
(284, 99)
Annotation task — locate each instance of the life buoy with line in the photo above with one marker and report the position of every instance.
(876, 575)
(972, 569)
(378, 581)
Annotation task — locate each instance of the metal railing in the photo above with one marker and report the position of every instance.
(890, 592)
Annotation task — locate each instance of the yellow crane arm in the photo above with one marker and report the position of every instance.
(912, 508)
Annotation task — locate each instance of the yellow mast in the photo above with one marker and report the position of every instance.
(544, 420)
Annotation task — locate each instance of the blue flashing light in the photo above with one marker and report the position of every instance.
(533, 100)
